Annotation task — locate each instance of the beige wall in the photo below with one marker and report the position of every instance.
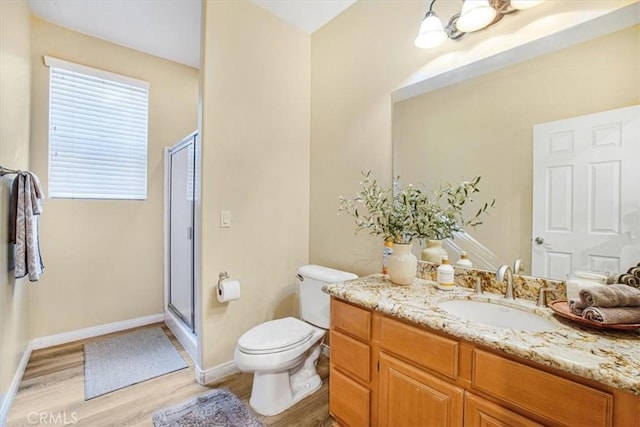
(104, 258)
(484, 127)
(255, 157)
(358, 60)
(15, 87)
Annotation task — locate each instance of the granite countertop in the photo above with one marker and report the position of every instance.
(608, 357)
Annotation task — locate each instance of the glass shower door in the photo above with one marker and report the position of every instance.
(182, 191)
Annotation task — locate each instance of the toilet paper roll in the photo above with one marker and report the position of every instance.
(228, 290)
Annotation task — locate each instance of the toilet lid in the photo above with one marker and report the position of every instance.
(275, 335)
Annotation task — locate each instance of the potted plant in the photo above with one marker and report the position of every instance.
(407, 214)
(444, 215)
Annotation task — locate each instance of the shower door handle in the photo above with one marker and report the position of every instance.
(189, 233)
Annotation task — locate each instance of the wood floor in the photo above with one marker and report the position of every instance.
(52, 393)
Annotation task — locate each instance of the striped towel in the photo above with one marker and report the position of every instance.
(27, 205)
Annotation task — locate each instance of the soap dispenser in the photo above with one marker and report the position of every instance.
(464, 260)
(444, 276)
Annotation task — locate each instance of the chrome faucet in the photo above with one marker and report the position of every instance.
(477, 288)
(518, 266)
(505, 274)
(542, 297)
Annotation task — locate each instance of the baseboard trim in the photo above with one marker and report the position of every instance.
(7, 402)
(216, 373)
(94, 331)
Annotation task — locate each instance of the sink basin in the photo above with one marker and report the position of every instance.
(497, 315)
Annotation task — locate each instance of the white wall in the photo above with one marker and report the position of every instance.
(255, 163)
(104, 258)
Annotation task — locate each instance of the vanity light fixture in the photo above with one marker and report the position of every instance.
(525, 4)
(474, 15)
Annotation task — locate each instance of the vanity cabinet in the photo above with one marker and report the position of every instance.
(388, 372)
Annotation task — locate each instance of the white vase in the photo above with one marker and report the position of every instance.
(402, 264)
(434, 252)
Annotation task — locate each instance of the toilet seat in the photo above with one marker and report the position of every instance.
(275, 336)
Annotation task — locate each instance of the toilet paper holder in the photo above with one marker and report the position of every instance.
(223, 275)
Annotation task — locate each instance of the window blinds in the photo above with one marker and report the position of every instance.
(97, 133)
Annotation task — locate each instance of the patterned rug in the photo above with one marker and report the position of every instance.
(114, 363)
(219, 408)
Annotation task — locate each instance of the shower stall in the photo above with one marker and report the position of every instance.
(181, 178)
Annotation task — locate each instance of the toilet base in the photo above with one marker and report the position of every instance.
(274, 392)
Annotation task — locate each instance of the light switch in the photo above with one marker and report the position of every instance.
(225, 219)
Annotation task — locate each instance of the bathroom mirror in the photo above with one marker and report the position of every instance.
(484, 126)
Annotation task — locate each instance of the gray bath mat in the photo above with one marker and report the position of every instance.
(114, 363)
(220, 408)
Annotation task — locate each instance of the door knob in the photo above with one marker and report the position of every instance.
(541, 242)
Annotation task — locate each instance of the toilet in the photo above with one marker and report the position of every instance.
(282, 353)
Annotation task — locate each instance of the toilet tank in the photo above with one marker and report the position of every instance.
(314, 304)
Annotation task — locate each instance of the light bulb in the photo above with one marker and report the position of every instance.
(431, 32)
(475, 15)
(525, 4)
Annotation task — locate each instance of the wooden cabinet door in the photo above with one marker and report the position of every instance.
(411, 397)
(479, 412)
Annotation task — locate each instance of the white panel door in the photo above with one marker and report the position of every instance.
(586, 193)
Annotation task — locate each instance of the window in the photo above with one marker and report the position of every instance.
(97, 133)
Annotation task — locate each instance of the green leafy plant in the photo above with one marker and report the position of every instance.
(406, 214)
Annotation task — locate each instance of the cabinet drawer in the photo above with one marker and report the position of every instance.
(350, 355)
(429, 350)
(348, 400)
(351, 319)
(545, 395)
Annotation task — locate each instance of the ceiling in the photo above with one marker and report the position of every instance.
(168, 28)
(309, 15)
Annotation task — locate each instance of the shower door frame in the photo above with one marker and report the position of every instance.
(183, 145)
(188, 336)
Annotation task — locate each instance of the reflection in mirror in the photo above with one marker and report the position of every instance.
(484, 126)
(585, 200)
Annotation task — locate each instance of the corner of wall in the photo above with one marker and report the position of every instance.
(15, 104)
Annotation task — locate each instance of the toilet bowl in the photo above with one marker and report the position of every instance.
(282, 353)
(271, 350)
